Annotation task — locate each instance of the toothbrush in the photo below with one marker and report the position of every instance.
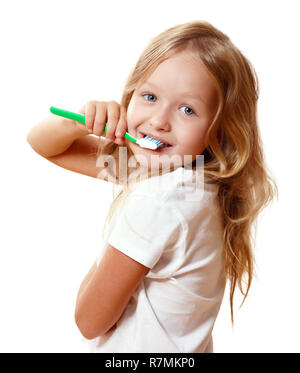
(147, 142)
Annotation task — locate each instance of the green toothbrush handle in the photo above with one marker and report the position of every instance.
(68, 114)
(81, 119)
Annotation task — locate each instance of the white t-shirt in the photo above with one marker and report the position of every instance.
(171, 224)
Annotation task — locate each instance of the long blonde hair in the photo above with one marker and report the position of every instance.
(234, 157)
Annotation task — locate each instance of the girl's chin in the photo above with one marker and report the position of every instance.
(157, 162)
(154, 159)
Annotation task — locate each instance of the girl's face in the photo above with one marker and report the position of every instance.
(176, 104)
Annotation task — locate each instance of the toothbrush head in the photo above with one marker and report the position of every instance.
(149, 143)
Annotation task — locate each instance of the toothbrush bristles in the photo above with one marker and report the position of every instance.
(157, 142)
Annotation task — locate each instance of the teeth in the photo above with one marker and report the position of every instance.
(157, 142)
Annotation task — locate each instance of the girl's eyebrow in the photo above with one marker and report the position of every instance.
(185, 94)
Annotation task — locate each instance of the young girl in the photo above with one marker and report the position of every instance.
(173, 235)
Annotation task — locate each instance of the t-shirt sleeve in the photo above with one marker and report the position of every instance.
(144, 228)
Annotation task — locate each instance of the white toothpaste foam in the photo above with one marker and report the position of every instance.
(145, 143)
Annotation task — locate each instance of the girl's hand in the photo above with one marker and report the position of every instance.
(99, 113)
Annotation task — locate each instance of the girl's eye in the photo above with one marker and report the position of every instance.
(150, 97)
(188, 110)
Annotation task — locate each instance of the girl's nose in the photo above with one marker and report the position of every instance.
(161, 120)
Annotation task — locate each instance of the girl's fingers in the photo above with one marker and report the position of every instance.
(90, 112)
(97, 114)
(113, 115)
(81, 125)
(122, 125)
(100, 119)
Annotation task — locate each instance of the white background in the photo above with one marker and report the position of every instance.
(64, 53)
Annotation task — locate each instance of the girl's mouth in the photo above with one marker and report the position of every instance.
(159, 149)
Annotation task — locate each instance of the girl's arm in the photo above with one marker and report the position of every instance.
(54, 135)
(106, 291)
(66, 143)
(86, 280)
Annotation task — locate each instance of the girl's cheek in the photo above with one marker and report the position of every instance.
(129, 117)
(132, 111)
(130, 108)
(135, 117)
